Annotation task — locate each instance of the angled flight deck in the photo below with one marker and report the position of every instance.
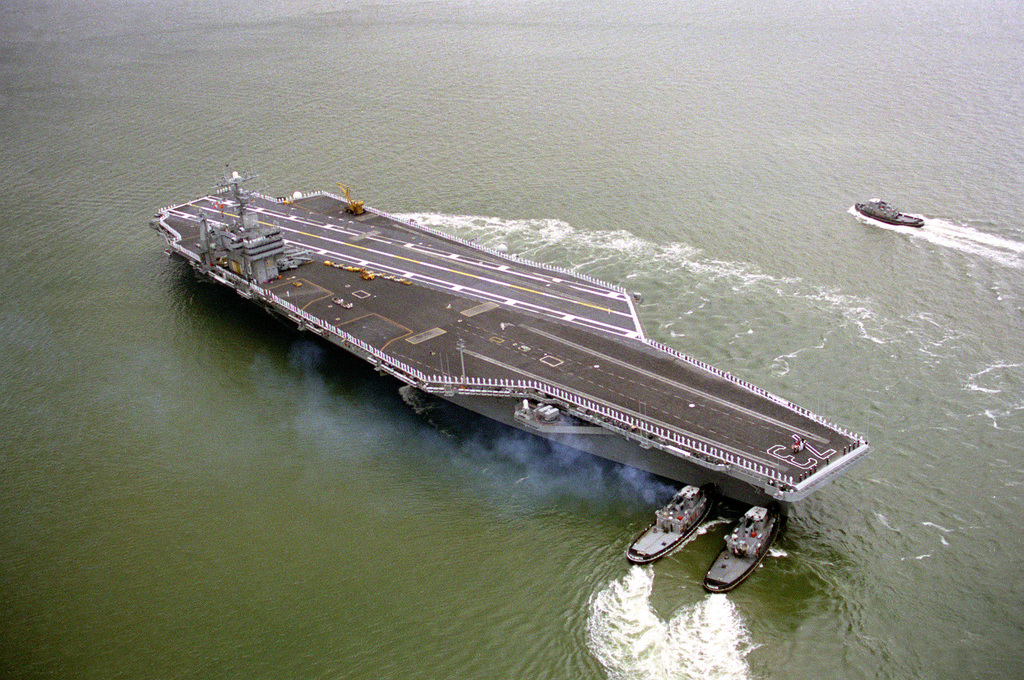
(549, 351)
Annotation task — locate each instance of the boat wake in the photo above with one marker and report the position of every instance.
(1004, 251)
(707, 640)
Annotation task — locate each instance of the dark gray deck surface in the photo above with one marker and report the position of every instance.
(517, 320)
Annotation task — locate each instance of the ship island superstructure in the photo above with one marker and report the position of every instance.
(553, 352)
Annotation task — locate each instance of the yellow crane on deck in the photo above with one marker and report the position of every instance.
(353, 207)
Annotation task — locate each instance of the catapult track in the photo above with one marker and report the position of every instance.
(492, 332)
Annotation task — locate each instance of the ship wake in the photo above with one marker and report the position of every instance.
(1004, 251)
(707, 640)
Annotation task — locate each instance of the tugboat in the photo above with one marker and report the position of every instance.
(673, 524)
(883, 212)
(745, 547)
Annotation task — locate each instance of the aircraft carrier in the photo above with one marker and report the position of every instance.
(552, 352)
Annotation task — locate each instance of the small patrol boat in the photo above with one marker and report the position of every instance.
(745, 547)
(883, 212)
(673, 524)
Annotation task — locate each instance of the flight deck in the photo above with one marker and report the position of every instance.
(553, 352)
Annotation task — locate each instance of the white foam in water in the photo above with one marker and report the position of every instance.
(941, 232)
(1001, 381)
(645, 258)
(707, 640)
(493, 230)
(993, 379)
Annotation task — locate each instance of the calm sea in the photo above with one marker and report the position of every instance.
(190, 490)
